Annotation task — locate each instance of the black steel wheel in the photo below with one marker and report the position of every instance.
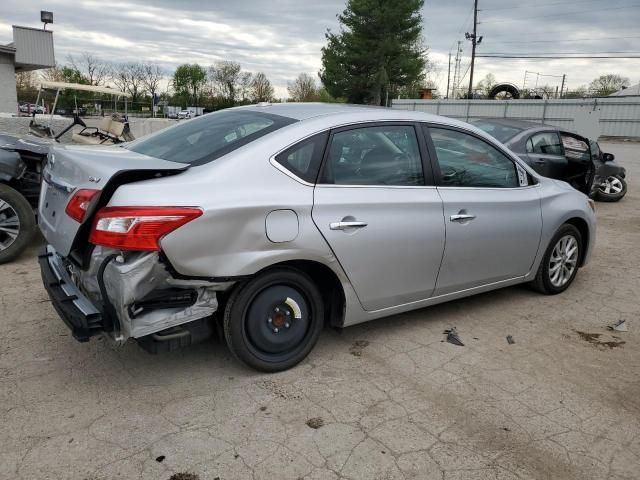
(17, 223)
(272, 322)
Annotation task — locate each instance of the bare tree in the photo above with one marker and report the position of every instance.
(93, 68)
(607, 84)
(53, 74)
(152, 76)
(130, 77)
(246, 81)
(27, 85)
(303, 89)
(261, 88)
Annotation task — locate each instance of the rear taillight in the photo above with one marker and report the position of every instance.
(79, 204)
(138, 228)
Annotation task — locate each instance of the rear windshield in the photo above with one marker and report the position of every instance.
(211, 136)
(500, 132)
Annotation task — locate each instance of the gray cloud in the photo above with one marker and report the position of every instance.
(283, 38)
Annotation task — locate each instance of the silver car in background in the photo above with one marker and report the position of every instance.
(270, 221)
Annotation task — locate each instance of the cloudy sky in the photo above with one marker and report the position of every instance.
(283, 37)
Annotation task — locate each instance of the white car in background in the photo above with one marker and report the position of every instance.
(184, 114)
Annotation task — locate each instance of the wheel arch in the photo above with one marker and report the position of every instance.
(327, 282)
(583, 228)
(323, 276)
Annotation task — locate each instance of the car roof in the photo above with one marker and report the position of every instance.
(521, 125)
(336, 113)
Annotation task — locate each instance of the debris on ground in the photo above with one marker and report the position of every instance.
(184, 476)
(452, 336)
(160, 458)
(621, 326)
(357, 347)
(315, 423)
(594, 339)
(510, 340)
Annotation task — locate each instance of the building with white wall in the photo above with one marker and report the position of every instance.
(31, 49)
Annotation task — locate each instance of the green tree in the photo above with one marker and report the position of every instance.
(188, 80)
(607, 84)
(378, 50)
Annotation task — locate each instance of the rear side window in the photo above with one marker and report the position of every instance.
(304, 158)
(496, 130)
(209, 137)
(545, 143)
(377, 155)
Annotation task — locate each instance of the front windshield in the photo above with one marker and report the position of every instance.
(500, 132)
(209, 137)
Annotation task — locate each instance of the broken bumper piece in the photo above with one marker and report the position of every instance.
(132, 296)
(74, 308)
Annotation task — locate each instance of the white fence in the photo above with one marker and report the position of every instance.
(591, 117)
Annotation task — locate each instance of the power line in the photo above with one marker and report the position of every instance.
(566, 41)
(462, 28)
(557, 57)
(560, 53)
(565, 13)
(537, 5)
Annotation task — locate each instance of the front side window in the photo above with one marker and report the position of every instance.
(211, 136)
(380, 155)
(546, 143)
(467, 161)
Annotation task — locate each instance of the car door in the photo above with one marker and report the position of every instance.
(546, 154)
(379, 212)
(492, 215)
(580, 166)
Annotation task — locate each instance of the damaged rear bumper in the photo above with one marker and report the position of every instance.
(74, 308)
(128, 296)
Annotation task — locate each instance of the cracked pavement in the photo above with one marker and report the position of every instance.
(383, 400)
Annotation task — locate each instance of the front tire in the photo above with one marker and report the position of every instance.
(17, 223)
(272, 322)
(612, 190)
(560, 263)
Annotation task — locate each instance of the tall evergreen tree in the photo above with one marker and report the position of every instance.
(378, 50)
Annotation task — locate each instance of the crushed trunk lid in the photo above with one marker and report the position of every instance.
(71, 168)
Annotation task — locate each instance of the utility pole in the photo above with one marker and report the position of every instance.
(475, 40)
(448, 76)
(456, 71)
(564, 77)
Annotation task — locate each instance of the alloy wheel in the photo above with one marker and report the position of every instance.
(612, 186)
(9, 225)
(563, 261)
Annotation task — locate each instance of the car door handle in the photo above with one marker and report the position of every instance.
(346, 225)
(460, 217)
(540, 161)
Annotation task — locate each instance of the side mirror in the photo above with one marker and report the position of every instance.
(608, 157)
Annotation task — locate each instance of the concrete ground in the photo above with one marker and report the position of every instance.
(383, 400)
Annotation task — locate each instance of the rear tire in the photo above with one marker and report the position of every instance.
(17, 223)
(272, 321)
(617, 187)
(560, 263)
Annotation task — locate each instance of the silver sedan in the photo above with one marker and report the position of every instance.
(268, 222)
